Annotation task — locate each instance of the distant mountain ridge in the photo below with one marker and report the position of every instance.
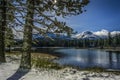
(95, 35)
(51, 35)
(84, 35)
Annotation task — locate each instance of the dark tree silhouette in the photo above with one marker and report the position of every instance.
(2, 29)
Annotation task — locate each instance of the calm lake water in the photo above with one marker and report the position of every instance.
(85, 58)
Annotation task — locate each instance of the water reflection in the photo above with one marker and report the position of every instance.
(89, 58)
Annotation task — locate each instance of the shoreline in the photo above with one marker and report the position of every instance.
(8, 72)
(53, 56)
(56, 55)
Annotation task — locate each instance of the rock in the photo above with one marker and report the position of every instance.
(84, 73)
(86, 78)
(70, 71)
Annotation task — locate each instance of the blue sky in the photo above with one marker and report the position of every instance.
(101, 14)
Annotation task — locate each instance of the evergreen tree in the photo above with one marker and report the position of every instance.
(9, 38)
(26, 56)
(2, 29)
(45, 13)
(109, 39)
(6, 17)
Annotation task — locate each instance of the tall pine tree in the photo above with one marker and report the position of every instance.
(2, 29)
(45, 13)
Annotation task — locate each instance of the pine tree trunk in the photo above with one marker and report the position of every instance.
(2, 30)
(26, 54)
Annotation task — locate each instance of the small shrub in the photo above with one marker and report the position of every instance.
(44, 63)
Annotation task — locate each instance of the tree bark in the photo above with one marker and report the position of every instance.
(2, 30)
(27, 40)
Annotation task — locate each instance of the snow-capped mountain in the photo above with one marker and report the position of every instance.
(115, 32)
(95, 35)
(102, 34)
(86, 34)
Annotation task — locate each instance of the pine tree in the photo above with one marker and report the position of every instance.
(9, 38)
(6, 18)
(2, 29)
(45, 13)
(109, 39)
(26, 56)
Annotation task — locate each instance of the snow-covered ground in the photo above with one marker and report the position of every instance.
(9, 71)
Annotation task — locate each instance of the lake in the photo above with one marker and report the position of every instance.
(86, 58)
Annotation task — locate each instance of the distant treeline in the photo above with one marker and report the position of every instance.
(101, 42)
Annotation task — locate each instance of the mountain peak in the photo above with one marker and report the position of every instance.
(87, 33)
(95, 35)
